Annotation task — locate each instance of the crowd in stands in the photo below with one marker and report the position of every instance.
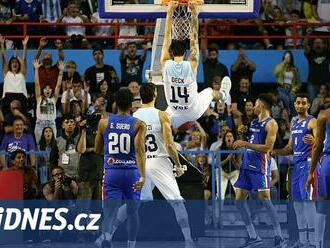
(62, 114)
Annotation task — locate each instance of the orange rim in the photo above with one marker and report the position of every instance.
(184, 2)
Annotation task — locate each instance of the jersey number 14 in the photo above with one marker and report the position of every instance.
(179, 92)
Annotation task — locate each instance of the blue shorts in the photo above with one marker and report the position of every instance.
(252, 180)
(298, 180)
(324, 176)
(118, 184)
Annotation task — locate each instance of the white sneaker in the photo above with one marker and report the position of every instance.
(225, 88)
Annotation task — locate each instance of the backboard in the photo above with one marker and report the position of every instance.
(151, 9)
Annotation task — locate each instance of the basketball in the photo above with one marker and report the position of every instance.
(186, 126)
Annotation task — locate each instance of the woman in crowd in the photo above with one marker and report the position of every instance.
(14, 71)
(46, 101)
(203, 166)
(104, 91)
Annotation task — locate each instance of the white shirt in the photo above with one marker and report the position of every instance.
(323, 9)
(101, 30)
(73, 98)
(46, 109)
(14, 83)
(71, 30)
(288, 77)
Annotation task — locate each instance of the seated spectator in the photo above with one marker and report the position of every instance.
(283, 134)
(198, 138)
(289, 42)
(75, 92)
(241, 95)
(71, 75)
(309, 11)
(48, 73)
(131, 63)
(134, 88)
(242, 66)
(67, 146)
(278, 106)
(17, 140)
(76, 112)
(60, 187)
(6, 8)
(106, 30)
(288, 80)
(46, 101)
(224, 117)
(100, 71)
(230, 163)
(28, 11)
(76, 33)
(209, 122)
(203, 166)
(31, 188)
(128, 30)
(318, 102)
(14, 71)
(104, 91)
(247, 116)
(217, 144)
(211, 65)
(15, 110)
(51, 11)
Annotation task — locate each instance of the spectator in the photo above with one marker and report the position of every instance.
(224, 117)
(48, 73)
(46, 102)
(90, 163)
(75, 92)
(28, 11)
(60, 187)
(230, 163)
(198, 139)
(131, 63)
(102, 30)
(217, 144)
(17, 141)
(6, 10)
(15, 110)
(31, 188)
(134, 88)
(288, 80)
(322, 11)
(318, 57)
(75, 111)
(203, 166)
(71, 75)
(242, 67)
(309, 11)
(104, 91)
(240, 96)
(318, 102)
(248, 115)
(278, 106)
(211, 65)
(100, 71)
(209, 122)
(76, 33)
(51, 11)
(67, 144)
(289, 42)
(14, 71)
(128, 30)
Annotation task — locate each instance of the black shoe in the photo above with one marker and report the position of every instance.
(250, 243)
(281, 242)
(107, 244)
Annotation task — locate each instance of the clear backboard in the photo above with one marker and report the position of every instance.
(150, 9)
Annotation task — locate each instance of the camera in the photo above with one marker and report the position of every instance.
(92, 120)
(66, 181)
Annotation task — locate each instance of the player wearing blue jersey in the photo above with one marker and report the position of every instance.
(123, 138)
(255, 169)
(303, 131)
(321, 155)
(180, 76)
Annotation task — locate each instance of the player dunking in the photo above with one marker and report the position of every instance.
(321, 155)
(124, 166)
(255, 171)
(303, 131)
(180, 76)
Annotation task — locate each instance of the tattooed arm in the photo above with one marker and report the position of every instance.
(194, 47)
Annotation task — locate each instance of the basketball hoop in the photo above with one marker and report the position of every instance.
(181, 25)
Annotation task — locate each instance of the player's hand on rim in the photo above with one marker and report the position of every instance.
(179, 170)
(137, 186)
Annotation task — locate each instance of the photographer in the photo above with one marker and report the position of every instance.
(90, 163)
(60, 187)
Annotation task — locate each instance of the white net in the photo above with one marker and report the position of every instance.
(181, 23)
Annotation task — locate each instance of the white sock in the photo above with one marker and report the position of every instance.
(251, 231)
(186, 233)
(108, 236)
(319, 229)
(131, 244)
(301, 221)
(310, 214)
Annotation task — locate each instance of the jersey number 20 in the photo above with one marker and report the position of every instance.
(119, 143)
(179, 92)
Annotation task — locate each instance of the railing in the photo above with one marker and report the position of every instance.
(204, 25)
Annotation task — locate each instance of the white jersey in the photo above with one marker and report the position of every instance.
(154, 136)
(180, 85)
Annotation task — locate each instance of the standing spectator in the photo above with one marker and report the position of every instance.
(241, 95)
(17, 140)
(288, 80)
(100, 71)
(48, 73)
(28, 10)
(67, 144)
(131, 63)
(318, 102)
(14, 71)
(318, 57)
(242, 66)
(15, 110)
(211, 65)
(90, 163)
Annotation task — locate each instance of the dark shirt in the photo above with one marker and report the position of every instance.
(211, 69)
(131, 69)
(240, 98)
(318, 67)
(94, 75)
(32, 9)
(242, 71)
(75, 78)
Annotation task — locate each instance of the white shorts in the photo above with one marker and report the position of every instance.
(159, 173)
(201, 103)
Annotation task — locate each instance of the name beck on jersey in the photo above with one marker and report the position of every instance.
(177, 80)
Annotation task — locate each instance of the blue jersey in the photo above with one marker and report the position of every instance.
(301, 150)
(326, 148)
(253, 160)
(119, 142)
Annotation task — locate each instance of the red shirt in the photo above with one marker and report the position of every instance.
(48, 76)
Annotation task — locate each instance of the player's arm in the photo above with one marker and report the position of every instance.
(310, 138)
(287, 150)
(169, 142)
(139, 144)
(99, 144)
(167, 35)
(194, 47)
